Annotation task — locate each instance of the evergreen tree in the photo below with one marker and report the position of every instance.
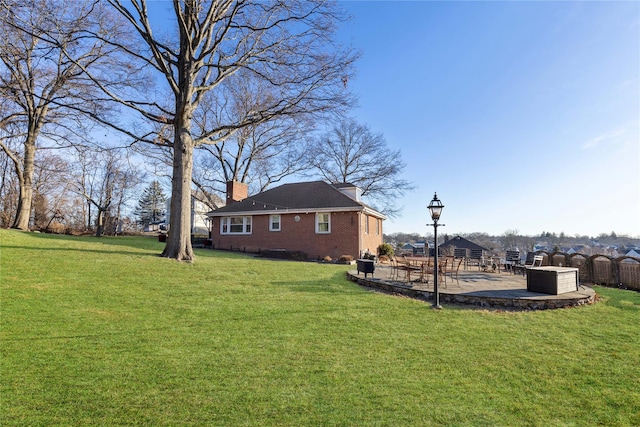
(152, 205)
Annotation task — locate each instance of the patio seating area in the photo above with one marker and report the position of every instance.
(474, 287)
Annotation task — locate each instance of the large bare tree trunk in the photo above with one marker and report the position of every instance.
(23, 213)
(99, 223)
(25, 178)
(179, 237)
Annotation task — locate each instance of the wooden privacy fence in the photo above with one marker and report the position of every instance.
(622, 272)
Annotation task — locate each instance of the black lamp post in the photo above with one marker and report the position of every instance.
(435, 209)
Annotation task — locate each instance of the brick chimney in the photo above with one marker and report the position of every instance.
(236, 191)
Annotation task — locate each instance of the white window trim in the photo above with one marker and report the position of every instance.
(271, 218)
(318, 231)
(226, 220)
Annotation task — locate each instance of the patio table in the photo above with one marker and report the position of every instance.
(418, 264)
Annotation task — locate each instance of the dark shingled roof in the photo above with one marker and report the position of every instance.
(297, 196)
(461, 242)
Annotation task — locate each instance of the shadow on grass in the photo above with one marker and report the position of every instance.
(137, 242)
(141, 244)
(147, 243)
(83, 250)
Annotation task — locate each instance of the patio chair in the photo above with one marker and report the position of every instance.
(512, 259)
(397, 266)
(401, 269)
(411, 269)
(532, 261)
(427, 269)
(442, 267)
(451, 268)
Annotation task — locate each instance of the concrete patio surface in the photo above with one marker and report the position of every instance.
(502, 290)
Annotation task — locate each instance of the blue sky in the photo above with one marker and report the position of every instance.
(521, 115)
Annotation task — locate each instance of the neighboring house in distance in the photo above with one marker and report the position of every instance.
(415, 249)
(542, 246)
(199, 211)
(461, 243)
(633, 253)
(316, 218)
(408, 247)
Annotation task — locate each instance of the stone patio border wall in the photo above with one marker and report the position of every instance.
(528, 303)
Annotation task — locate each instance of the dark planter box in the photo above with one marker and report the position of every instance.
(366, 266)
(162, 237)
(552, 280)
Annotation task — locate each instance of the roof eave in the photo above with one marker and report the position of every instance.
(287, 211)
(374, 212)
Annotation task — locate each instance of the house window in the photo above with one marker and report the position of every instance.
(366, 224)
(235, 225)
(323, 223)
(274, 223)
(378, 222)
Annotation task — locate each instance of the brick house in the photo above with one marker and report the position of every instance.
(316, 218)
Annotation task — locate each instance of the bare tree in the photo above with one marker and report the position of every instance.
(351, 152)
(257, 155)
(286, 46)
(105, 179)
(510, 239)
(51, 187)
(43, 54)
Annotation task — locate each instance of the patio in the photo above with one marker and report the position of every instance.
(500, 290)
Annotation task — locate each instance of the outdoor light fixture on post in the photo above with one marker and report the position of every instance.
(435, 209)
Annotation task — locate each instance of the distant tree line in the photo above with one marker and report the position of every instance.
(512, 239)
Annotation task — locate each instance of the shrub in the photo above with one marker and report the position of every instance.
(284, 254)
(385, 249)
(345, 258)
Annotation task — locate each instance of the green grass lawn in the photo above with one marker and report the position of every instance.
(105, 332)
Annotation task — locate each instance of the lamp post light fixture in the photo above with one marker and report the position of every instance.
(435, 209)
